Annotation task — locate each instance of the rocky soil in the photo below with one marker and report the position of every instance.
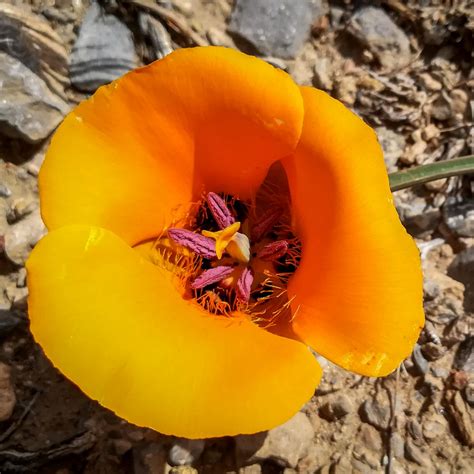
(406, 68)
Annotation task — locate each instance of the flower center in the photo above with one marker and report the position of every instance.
(234, 257)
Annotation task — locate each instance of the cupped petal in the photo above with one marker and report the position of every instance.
(133, 156)
(358, 289)
(115, 325)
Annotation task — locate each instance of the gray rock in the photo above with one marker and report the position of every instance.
(103, 51)
(440, 372)
(16, 44)
(22, 236)
(380, 35)
(28, 109)
(462, 266)
(274, 27)
(417, 215)
(8, 321)
(431, 289)
(462, 269)
(185, 451)
(376, 412)
(459, 217)
(286, 444)
(396, 445)
(464, 358)
(337, 408)
(323, 73)
(30, 39)
(157, 34)
(393, 145)
(421, 364)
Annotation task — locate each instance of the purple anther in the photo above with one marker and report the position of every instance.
(244, 285)
(203, 246)
(273, 251)
(265, 223)
(213, 275)
(219, 210)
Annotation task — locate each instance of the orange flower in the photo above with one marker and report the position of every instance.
(115, 299)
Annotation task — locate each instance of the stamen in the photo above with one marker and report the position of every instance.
(273, 251)
(244, 285)
(266, 223)
(219, 210)
(213, 303)
(203, 246)
(213, 275)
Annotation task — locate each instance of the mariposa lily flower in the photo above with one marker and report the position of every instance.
(209, 221)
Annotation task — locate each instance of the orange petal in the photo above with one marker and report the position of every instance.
(359, 286)
(141, 148)
(115, 325)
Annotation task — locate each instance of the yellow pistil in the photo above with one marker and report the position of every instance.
(229, 239)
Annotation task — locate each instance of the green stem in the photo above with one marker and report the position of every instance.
(425, 173)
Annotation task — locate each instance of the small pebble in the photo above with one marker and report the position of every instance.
(183, 470)
(337, 408)
(464, 358)
(421, 364)
(121, 446)
(459, 379)
(21, 278)
(434, 426)
(377, 413)
(440, 372)
(469, 393)
(4, 191)
(185, 451)
(433, 351)
(415, 454)
(19, 209)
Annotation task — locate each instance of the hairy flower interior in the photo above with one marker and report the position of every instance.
(252, 281)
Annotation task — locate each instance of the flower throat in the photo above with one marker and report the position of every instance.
(234, 257)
